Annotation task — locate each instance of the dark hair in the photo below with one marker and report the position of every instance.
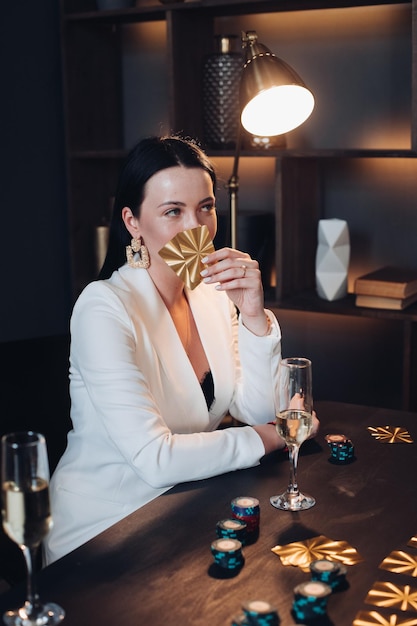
(148, 157)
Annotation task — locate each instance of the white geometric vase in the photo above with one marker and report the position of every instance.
(332, 259)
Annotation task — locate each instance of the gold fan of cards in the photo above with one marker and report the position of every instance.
(184, 254)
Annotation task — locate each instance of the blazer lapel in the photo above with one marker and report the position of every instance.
(148, 310)
(212, 312)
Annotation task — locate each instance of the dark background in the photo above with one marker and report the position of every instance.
(354, 360)
(34, 247)
(36, 280)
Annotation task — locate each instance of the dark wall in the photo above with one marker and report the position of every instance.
(35, 281)
(355, 359)
(33, 396)
(34, 249)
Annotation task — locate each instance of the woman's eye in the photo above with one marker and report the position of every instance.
(175, 211)
(208, 207)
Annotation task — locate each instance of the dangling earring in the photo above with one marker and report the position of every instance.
(137, 246)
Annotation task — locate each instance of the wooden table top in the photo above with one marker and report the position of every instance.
(155, 567)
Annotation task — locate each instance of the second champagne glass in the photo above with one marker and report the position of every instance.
(26, 516)
(294, 422)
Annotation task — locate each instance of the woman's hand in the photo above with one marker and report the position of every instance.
(270, 438)
(316, 425)
(297, 402)
(239, 275)
(272, 441)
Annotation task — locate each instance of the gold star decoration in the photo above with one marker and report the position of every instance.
(400, 562)
(373, 618)
(386, 594)
(302, 553)
(412, 542)
(184, 253)
(390, 434)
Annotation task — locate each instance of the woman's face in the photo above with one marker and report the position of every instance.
(175, 199)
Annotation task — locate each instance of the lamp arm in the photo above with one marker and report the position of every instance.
(233, 188)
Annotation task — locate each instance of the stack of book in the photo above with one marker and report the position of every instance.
(387, 288)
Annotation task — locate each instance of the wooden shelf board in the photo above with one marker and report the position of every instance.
(309, 302)
(219, 7)
(302, 154)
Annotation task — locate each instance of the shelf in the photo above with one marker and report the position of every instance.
(145, 13)
(309, 301)
(323, 154)
(219, 7)
(274, 153)
(138, 74)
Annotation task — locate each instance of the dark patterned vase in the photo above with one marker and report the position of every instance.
(221, 75)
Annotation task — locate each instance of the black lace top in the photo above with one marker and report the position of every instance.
(207, 385)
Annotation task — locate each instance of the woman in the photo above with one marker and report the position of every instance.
(154, 365)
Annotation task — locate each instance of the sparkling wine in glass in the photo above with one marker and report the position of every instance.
(294, 422)
(26, 517)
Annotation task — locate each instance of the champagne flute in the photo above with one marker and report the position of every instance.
(294, 422)
(26, 516)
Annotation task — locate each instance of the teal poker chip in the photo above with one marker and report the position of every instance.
(329, 572)
(310, 600)
(336, 438)
(232, 528)
(325, 571)
(227, 553)
(260, 613)
(342, 450)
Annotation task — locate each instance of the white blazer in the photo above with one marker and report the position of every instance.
(140, 419)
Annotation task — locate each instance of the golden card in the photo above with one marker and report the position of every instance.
(184, 254)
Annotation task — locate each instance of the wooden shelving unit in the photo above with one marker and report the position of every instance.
(93, 82)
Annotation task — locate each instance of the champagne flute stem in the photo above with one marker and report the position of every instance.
(32, 598)
(293, 450)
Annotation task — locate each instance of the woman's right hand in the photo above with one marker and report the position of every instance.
(270, 438)
(272, 441)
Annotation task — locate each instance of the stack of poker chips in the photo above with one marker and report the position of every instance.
(329, 572)
(247, 510)
(227, 553)
(310, 600)
(232, 529)
(342, 450)
(257, 613)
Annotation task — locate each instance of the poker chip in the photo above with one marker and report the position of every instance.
(336, 438)
(257, 613)
(247, 510)
(342, 450)
(227, 553)
(327, 572)
(310, 600)
(341, 576)
(232, 528)
(260, 613)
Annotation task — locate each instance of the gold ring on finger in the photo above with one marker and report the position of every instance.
(244, 270)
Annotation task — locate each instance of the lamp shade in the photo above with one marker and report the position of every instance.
(274, 99)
